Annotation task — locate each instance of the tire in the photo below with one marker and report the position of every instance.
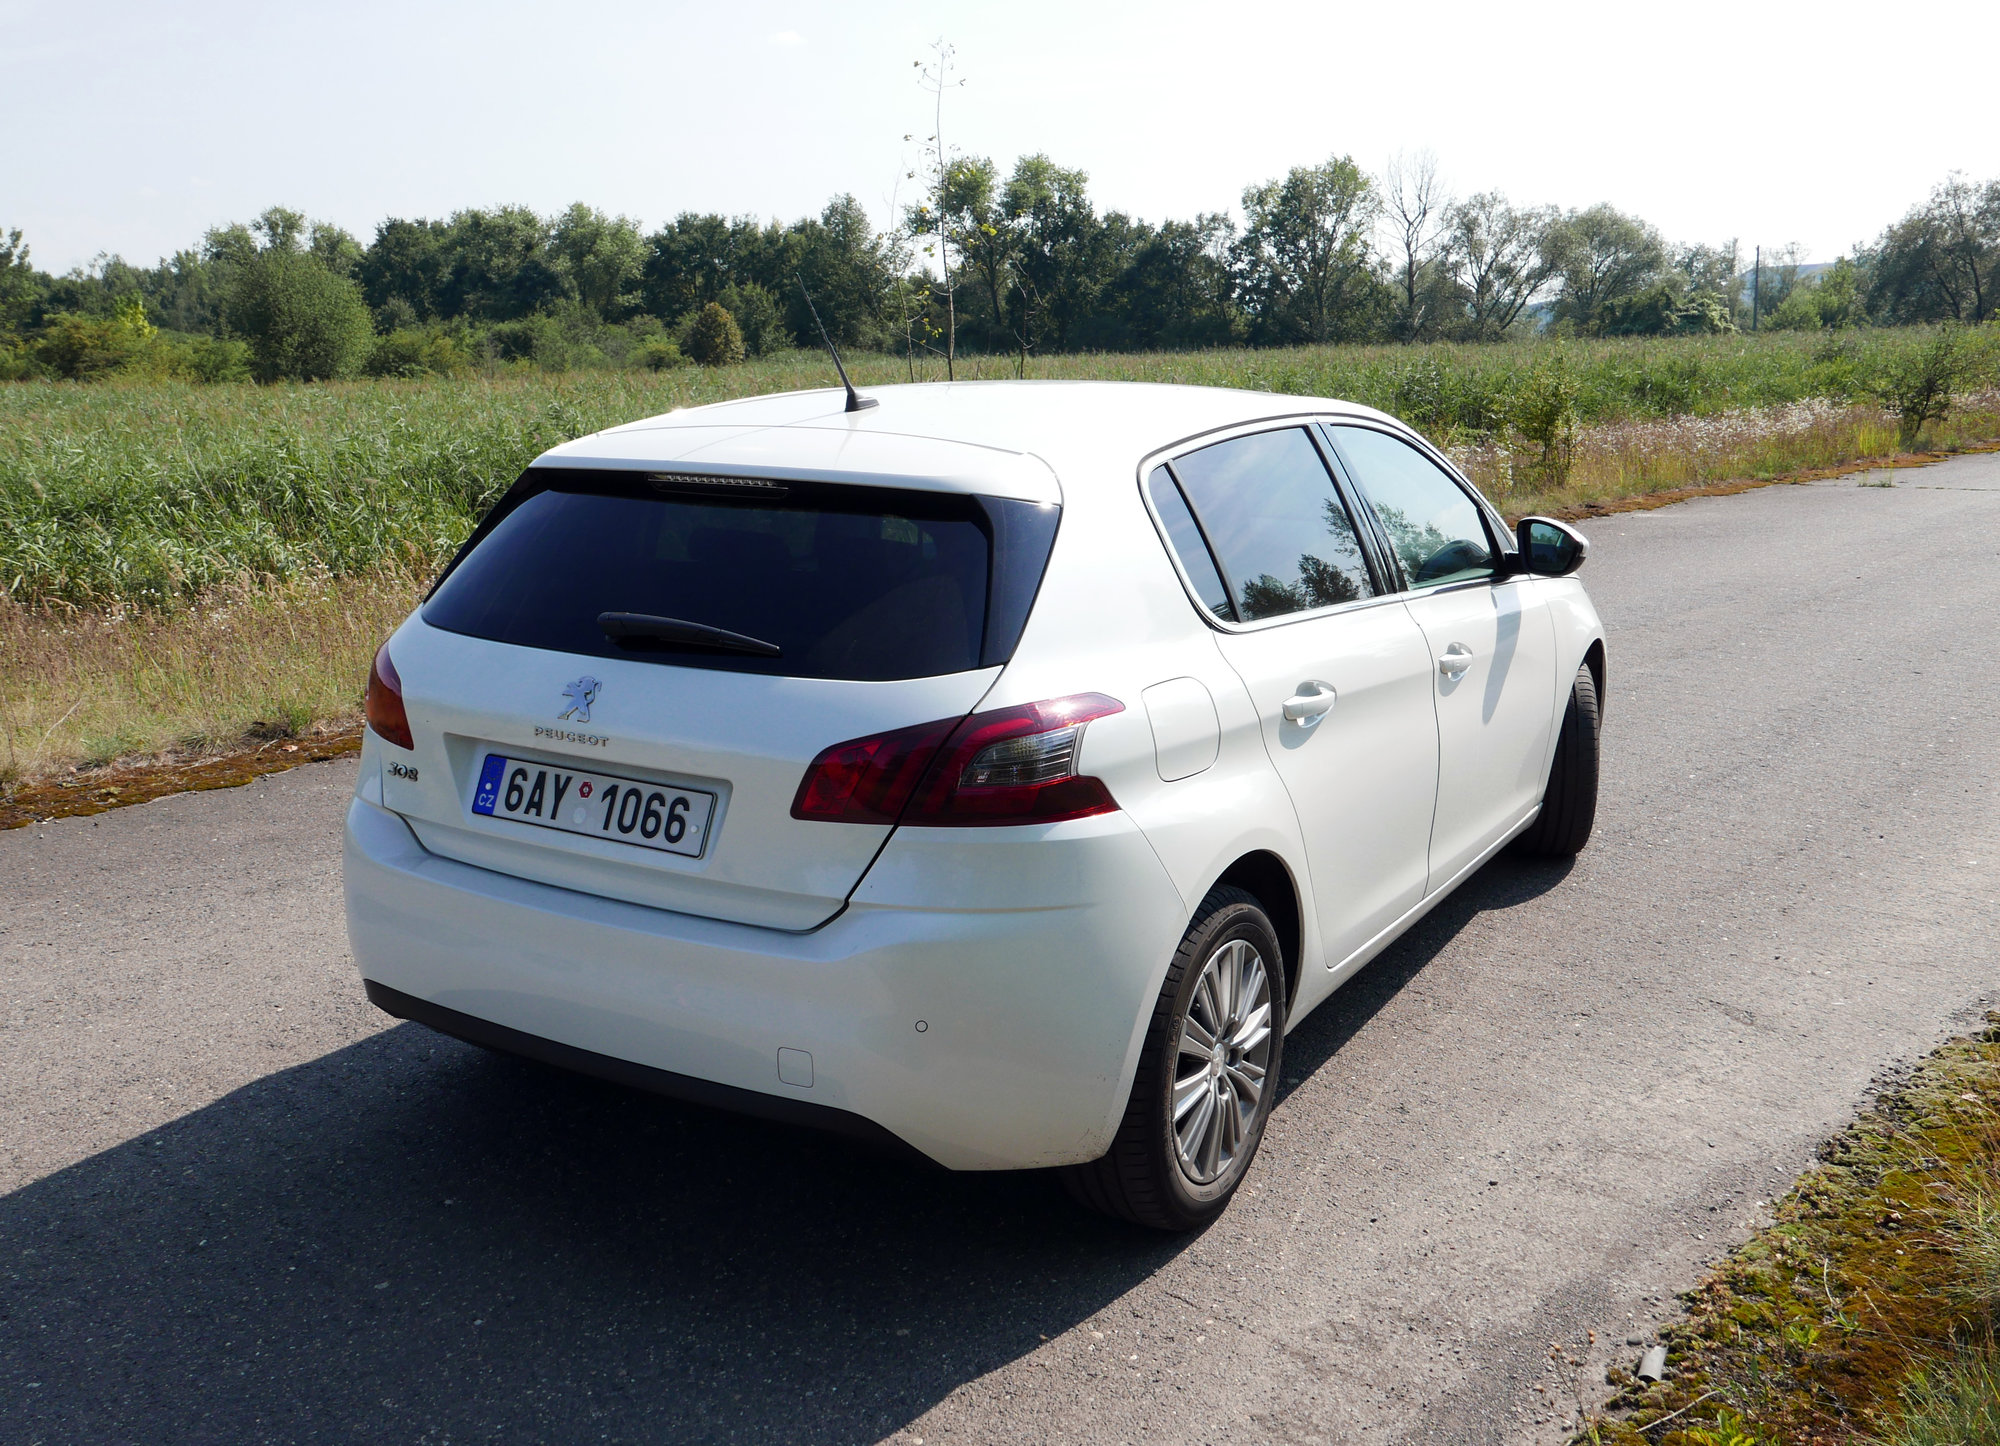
(1148, 1177)
(1569, 803)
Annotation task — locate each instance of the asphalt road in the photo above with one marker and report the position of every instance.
(243, 1207)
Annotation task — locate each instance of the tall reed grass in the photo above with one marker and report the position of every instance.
(157, 494)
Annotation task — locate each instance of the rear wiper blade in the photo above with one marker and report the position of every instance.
(678, 632)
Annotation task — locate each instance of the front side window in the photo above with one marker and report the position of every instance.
(1279, 529)
(1436, 530)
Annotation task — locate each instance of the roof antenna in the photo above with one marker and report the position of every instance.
(855, 401)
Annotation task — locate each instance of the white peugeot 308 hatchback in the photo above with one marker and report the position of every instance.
(999, 770)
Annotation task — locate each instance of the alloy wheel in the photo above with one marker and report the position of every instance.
(1220, 1062)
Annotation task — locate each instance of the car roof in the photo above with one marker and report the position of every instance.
(1000, 437)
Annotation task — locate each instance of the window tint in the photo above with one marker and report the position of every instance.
(1188, 546)
(850, 582)
(1437, 531)
(1279, 529)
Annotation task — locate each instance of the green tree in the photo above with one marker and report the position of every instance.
(1304, 257)
(1838, 295)
(20, 284)
(690, 260)
(1602, 256)
(1174, 290)
(853, 271)
(601, 256)
(975, 220)
(1500, 259)
(1056, 236)
(498, 266)
(1663, 310)
(403, 270)
(1715, 269)
(1798, 312)
(303, 320)
(1942, 260)
(1544, 411)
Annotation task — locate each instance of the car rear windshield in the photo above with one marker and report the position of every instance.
(854, 582)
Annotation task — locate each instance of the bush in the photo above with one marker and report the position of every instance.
(1545, 413)
(303, 323)
(1799, 311)
(79, 348)
(412, 352)
(657, 354)
(712, 337)
(1832, 299)
(1918, 387)
(1446, 402)
(1703, 314)
(1660, 312)
(211, 359)
(558, 340)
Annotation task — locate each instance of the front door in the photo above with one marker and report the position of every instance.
(1490, 640)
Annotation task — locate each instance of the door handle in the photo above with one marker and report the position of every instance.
(1457, 658)
(1312, 702)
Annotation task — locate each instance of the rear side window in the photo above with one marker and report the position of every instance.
(1283, 538)
(849, 582)
(1436, 530)
(1188, 544)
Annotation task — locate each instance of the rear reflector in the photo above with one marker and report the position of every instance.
(384, 703)
(1009, 766)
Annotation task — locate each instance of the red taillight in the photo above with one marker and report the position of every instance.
(1009, 766)
(868, 780)
(384, 703)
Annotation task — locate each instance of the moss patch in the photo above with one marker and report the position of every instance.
(99, 790)
(1850, 1317)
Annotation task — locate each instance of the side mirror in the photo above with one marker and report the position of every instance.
(1550, 548)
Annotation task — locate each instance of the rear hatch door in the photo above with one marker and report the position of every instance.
(621, 683)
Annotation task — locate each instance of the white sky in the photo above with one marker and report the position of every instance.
(133, 127)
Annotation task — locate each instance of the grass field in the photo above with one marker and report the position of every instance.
(183, 565)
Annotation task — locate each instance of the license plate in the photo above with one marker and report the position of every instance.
(596, 805)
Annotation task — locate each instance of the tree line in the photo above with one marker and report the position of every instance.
(1016, 262)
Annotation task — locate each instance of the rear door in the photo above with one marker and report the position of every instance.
(1490, 640)
(620, 686)
(1339, 674)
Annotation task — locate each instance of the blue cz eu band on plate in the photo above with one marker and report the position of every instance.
(489, 783)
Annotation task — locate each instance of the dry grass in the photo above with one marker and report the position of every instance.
(1628, 459)
(84, 689)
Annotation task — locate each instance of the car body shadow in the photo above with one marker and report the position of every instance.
(1504, 883)
(410, 1238)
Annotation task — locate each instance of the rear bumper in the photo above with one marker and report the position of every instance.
(634, 1076)
(1031, 958)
